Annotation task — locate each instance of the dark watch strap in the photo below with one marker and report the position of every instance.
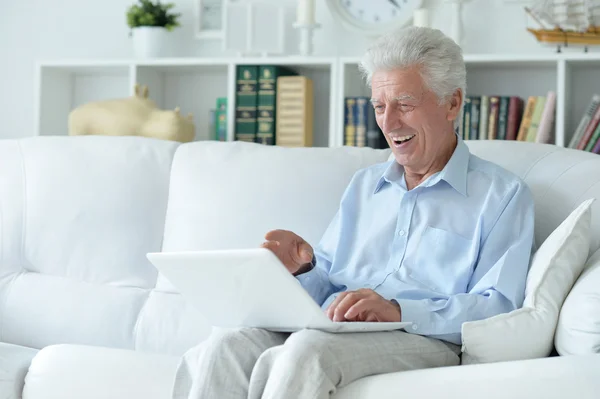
(305, 268)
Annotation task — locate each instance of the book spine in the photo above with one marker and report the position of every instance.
(375, 138)
(246, 106)
(594, 140)
(493, 118)
(467, 119)
(484, 114)
(295, 109)
(349, 124)
(515, 113)
(536, 118)
(475, 110)
(265, 133)
(544, 134)
(362, 104)
(221, 119)
(267, 101)
(503, 117)
(589, 130)
(526, 121)
(585, 119)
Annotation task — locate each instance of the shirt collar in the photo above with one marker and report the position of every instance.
(453, 173)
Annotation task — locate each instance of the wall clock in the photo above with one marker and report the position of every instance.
(373, 17)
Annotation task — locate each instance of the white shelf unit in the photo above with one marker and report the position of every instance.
(193, 84)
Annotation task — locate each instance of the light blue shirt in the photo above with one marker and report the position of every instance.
(454, 249)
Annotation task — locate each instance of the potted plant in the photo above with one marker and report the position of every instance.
(150, 24)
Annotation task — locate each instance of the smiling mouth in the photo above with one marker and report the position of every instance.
(403, 139)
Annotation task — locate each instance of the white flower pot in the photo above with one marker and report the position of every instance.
(150, 42)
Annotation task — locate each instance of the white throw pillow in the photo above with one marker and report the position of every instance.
(528, 332)
(578, 330)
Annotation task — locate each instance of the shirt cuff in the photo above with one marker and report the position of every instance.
(418, 313)
(314, 283)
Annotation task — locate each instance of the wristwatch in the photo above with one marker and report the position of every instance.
(305, 268)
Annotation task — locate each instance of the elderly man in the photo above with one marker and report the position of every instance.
(436, 237)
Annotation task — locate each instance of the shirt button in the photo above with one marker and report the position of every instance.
(414, 327)
(401, 232)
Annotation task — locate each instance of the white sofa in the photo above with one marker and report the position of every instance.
(83, 314)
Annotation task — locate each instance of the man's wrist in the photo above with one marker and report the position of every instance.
(397, 306)
(305, 268)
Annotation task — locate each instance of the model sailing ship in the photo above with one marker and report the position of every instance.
(566, 22)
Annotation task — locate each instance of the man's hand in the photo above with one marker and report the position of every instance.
(363, 305)
(290, 248)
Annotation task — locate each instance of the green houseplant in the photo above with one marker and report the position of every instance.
(150, 22)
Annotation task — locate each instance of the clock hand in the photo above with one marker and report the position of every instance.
(395, 3)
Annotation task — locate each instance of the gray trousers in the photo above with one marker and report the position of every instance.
(309, 364)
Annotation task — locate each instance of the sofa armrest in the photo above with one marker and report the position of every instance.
(78, 371)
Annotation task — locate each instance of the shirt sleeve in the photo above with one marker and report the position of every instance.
(497, 284)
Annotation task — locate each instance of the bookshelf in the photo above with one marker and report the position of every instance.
(193, 84)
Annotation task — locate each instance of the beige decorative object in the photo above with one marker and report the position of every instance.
(133, 116)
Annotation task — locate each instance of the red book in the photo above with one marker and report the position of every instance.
(515, 113)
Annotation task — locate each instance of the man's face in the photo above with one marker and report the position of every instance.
(415, 126)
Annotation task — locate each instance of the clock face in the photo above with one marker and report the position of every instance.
(373, 16)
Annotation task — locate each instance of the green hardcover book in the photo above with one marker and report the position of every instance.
(212, 124)
(221, 119)
(246, 102)
(267, 100)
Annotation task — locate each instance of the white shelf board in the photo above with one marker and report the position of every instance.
(185, 68)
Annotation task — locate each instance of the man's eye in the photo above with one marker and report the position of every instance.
(406, 107)
(379, 108)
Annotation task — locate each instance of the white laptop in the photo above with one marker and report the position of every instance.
(250, 288)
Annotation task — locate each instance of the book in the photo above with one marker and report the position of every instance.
(267, 100)
(585, 119)
(475, 109)
(545, 128)
(502, 117)
(536, 117)
(361, 117)
(484, 114)
(246, 103)
(589, 130)
(294, 121)
(221, 119)
(349, 124)
(466, 134)
(526, 120)
(591, 146)
(493, 118)
(515, 113)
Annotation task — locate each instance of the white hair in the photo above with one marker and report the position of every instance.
(439, 58)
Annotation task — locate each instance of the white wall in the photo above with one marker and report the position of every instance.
(40, 29)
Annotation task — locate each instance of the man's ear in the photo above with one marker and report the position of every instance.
(454, 103)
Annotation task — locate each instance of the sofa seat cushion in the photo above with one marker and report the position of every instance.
(93, 372)
(553, 377)
(14, 363)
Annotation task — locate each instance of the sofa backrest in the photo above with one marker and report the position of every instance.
(79, 214)
(560, 180)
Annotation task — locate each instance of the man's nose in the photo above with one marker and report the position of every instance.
(391, 121)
